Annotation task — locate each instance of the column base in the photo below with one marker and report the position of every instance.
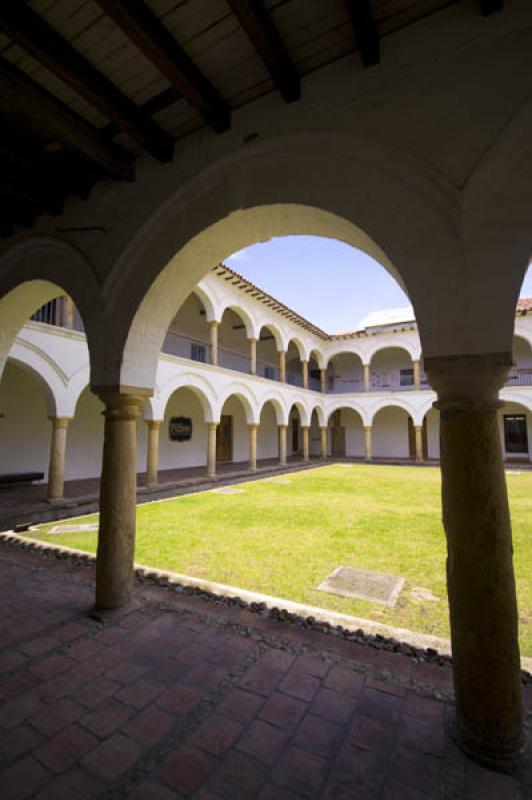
(54, 501)
(112, 614)
(502, 756)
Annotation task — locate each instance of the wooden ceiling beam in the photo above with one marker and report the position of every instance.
(158, 45)
(22, 101)
(365, 31)
(21, 24)
(259, 26)
(488, 7)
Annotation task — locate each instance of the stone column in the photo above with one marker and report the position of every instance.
(152, 461)
(480, 576)
(253, 356)
(69, 313)
(323, 381)
(366, 377)
(212, 427)
(418, 430)
(282, 366)
(282, 444)
(253, 447)
(306, 449)
(56, 468)
(417, 377)
(118, 484)
(323, 441)
(368, 455)
(304, 369)
(213, 332)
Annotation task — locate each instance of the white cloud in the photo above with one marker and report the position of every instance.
(240, 255)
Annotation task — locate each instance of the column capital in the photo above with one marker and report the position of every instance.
(368, 427)
(212, 425)
(120, 406)
(60, 422)
(214, 323)
(253, 425)
(153, 424)
(469, 382)
(252, 339)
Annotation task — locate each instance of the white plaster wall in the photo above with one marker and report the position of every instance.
(354, 432)
(85, 439)
(176, 455)
(268, 434)
(390, 434)
(25, 430)
(233, 407)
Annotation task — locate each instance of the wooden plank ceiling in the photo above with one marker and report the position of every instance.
(87, 85)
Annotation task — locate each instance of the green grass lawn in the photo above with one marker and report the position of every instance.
(283, 540)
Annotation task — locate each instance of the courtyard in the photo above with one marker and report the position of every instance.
(283, 536)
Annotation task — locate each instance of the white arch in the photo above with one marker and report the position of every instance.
(46, 375)
(320, 413)
(413, 350)
(77, 385)
(204, 294)
(318, 355)
(36, 270)
(246, 397)
(252, 331)
(397, 402)
(301, 404)
(279, 404)
(301, 183)
(362, 412)
(281, 338)
(514, 396)
(199, 385)
(347, 350)
(300, 347)
(524, 333)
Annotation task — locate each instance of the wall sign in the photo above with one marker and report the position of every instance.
(180, 429)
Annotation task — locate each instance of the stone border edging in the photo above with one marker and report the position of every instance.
(421, 647)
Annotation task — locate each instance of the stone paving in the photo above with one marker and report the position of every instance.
(183, 698)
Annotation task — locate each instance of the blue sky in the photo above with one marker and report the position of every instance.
(326, 281)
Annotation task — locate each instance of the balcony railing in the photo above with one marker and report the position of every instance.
(176, 345)
(265, 370)
(55, 313)
(520, 377)
(236, 361)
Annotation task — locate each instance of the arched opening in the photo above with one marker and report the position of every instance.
(268, 433)
(26, 402)
(391, 369)
(294, 369)
(391, 434)
(346, 434)
(315, 435)
(294, 444)
(345, 373)
(188, 333)
(232, 438)
(233, 344)
(314, 371)
(267, 353)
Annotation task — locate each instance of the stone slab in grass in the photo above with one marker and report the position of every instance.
(279, 481)
(364, 585)
(92, 526)
(228, 490)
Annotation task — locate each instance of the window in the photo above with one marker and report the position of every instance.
(198, 352)
(406, 377)
(515, 433)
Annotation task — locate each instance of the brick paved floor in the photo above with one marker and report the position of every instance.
(181, 698)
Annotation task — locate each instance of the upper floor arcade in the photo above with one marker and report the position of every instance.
(230, 323)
